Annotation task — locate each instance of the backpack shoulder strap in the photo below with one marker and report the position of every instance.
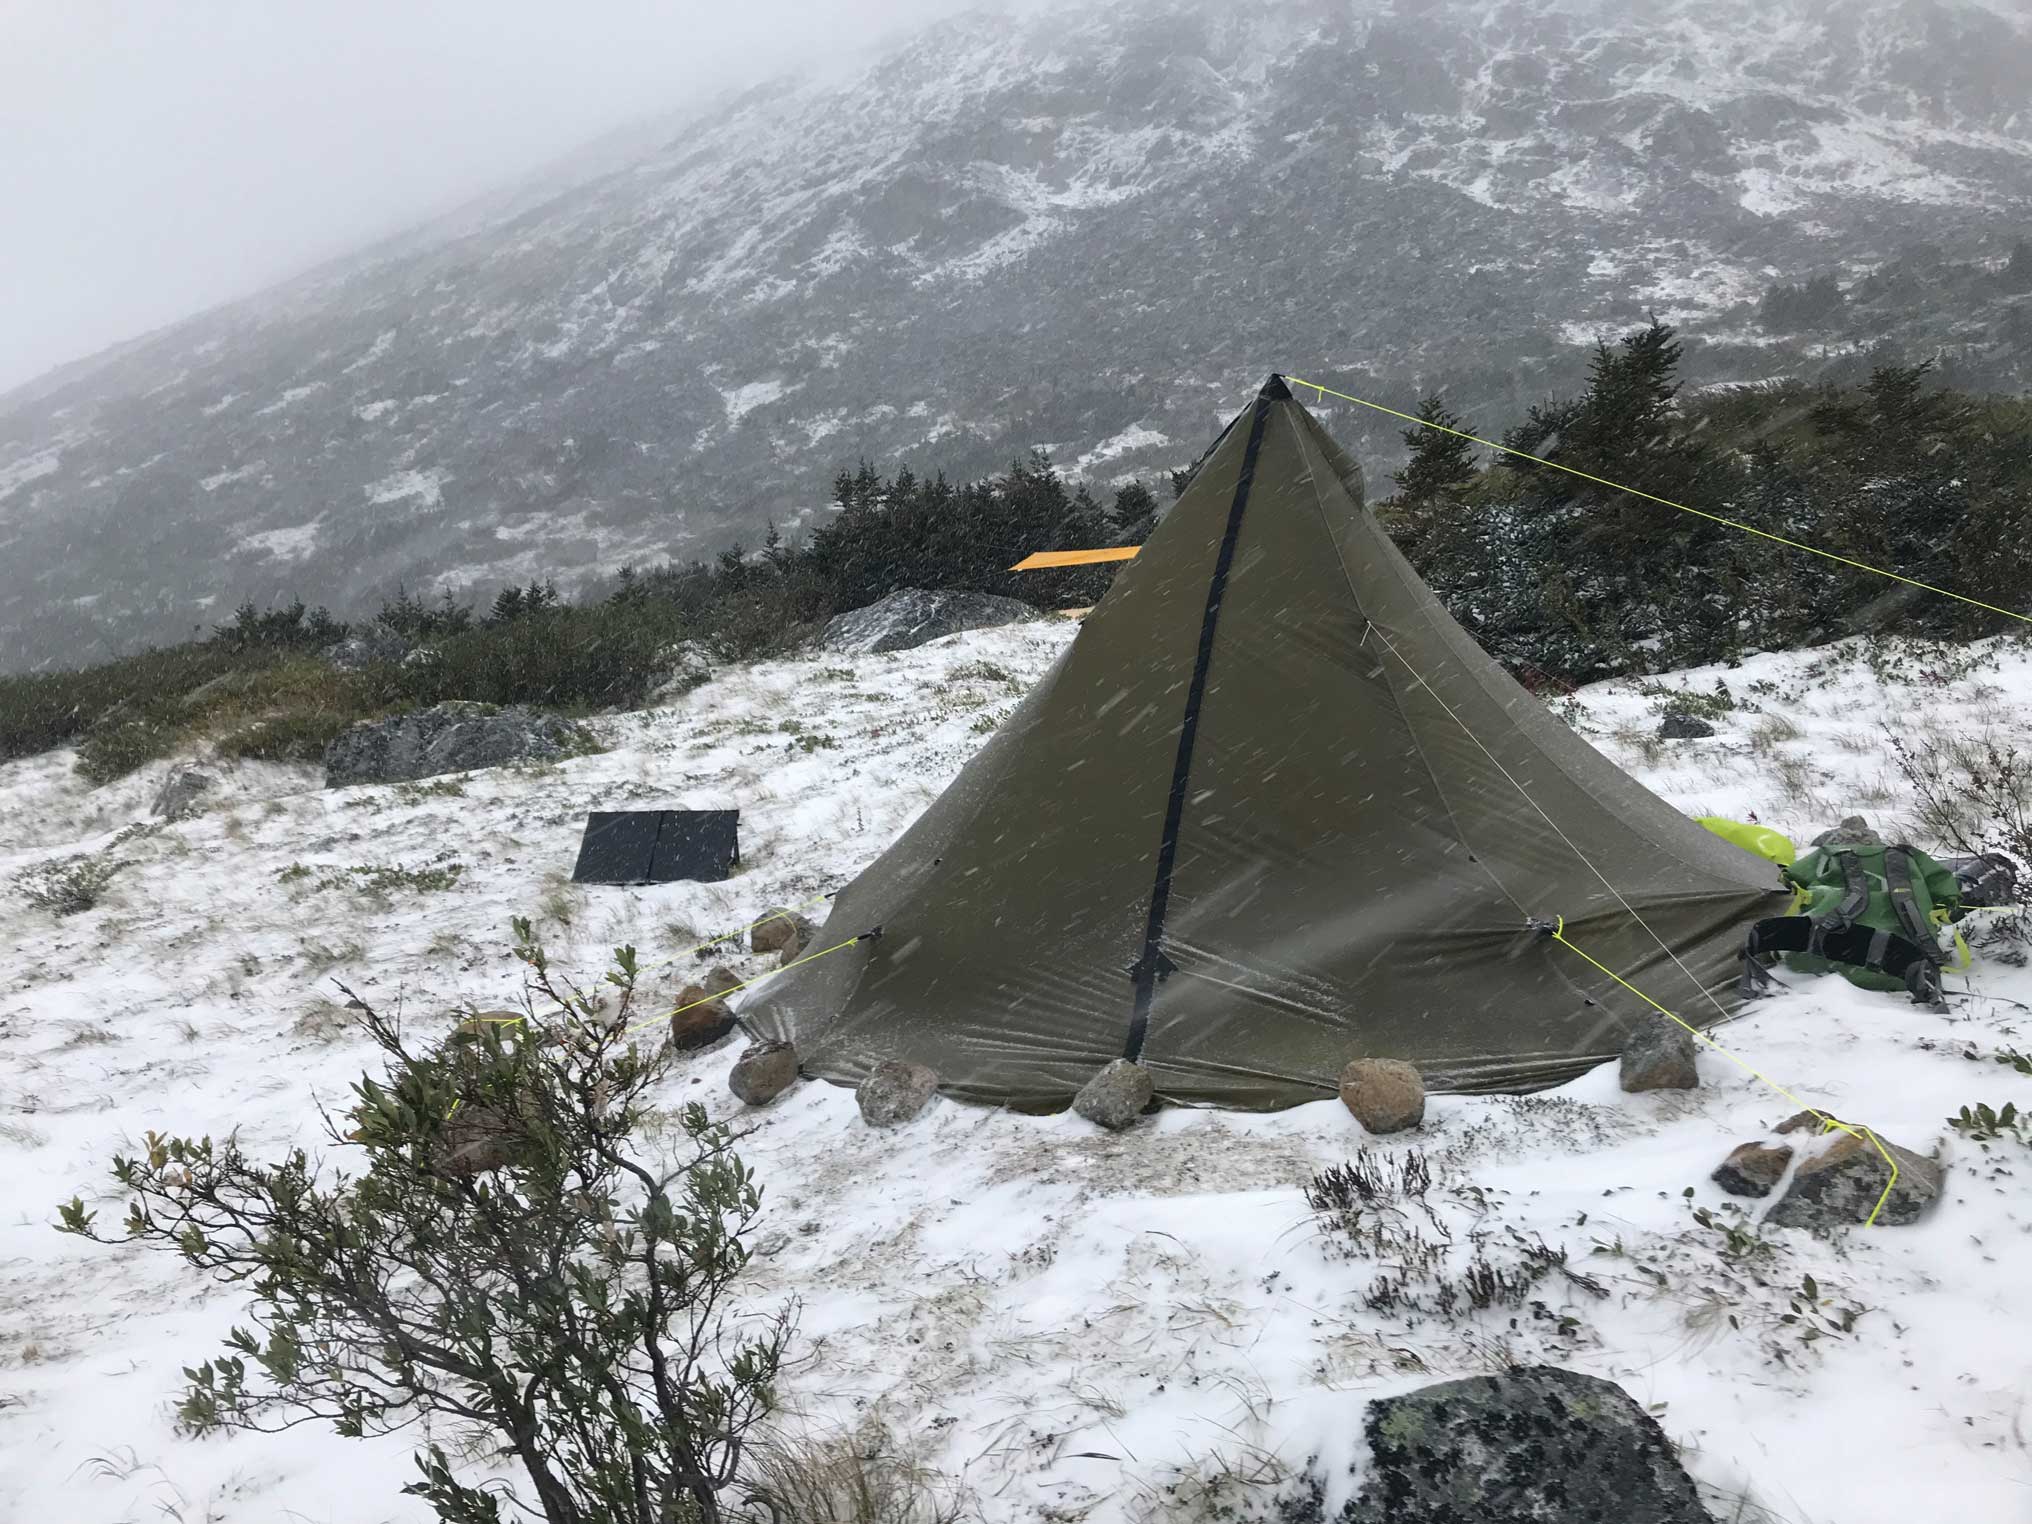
(1905, 902)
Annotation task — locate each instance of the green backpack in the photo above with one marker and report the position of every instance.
(1896, 890)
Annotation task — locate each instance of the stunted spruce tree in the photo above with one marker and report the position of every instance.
(503, 1264)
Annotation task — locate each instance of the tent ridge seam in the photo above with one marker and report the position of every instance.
(1152, 963)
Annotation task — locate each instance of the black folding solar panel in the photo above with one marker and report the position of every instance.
(696, 844)
(658, 846)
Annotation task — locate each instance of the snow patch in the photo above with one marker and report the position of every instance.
(427, 487)
(743, 400)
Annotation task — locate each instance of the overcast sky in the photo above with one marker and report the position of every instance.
(158, 157)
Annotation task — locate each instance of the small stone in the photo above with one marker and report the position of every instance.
(1385, 1094)
(763, 1072)
(1753, 1169)
(699, 1020)
(1842, 1184)
(1803, 1121)
(477, 1140)
(1659, 1055)
(721, 980)
(1681, 726)
(1116, 1096)
(778, 928)
(895, 1091)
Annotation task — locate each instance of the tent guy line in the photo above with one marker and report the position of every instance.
(1828, 1123)
(1713, 518)
(1557, 930)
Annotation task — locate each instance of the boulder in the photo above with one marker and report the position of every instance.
(684, 666)
(1658, 1055)
(1681, 726)
(1534, 1445)
(721, 980)
(911, 616)
(369, 647)
(1840, 1185)
(700, 1020)
(180, 793)
(452, 737)
(1753, 1169)
(763, 1072)
(1384, 1094)
(1116, 1096)
(777, 929)
(894, 1092)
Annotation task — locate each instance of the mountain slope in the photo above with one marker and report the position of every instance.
(1086, 229)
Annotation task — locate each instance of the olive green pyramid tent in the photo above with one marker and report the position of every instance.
(1273, 810)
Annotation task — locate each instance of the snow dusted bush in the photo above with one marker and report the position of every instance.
(504, 1263)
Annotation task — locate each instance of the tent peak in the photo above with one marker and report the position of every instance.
(1275, 390)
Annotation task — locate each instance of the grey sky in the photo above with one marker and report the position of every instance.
(161, 156)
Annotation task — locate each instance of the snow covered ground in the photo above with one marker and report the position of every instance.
(1067, 1324)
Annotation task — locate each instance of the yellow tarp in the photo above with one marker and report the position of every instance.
(1040, 559)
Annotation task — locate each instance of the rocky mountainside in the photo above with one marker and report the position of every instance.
(1088, 228)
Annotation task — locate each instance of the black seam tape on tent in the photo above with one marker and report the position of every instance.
(1153, 964)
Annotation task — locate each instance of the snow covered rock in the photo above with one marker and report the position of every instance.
(1753, 1169)
(911, 617)
(180, 794)
(686, 666)
(452, 737)
(763, 1072)
(1116, 1096)
(369, 647)
(1681, 726)
(1658, 1055)
(1535, 1444)
(778, 929)
(1841, 1184)
(894, 1092)
(1384, 1094)
(699, 1020)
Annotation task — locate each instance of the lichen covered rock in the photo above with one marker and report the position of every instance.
(1535, 1445)
(1842, 1183)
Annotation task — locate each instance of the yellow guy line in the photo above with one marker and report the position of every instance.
(728, 936)
(1830, 1123)
(1601, 481)
(1559, 935)
(795, 963)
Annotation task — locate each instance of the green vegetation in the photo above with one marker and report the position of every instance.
(1557, 574)
(1561, 579)
(441, 872)
(500, 1261)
